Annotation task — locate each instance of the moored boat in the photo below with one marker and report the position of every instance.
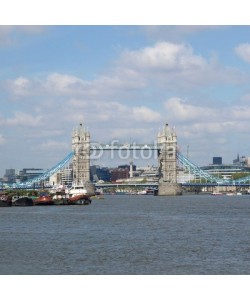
(151, 191)
(148, 191)
(144, 192)
(5, 200)
(60, 198)
(216, 194)
(43, 199)
(78, 194)
(22, 201)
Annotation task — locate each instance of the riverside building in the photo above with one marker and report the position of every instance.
(227, 171)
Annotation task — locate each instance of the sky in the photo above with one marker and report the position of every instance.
(124, 82)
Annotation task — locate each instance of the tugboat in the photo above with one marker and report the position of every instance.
(43, 199)
(5, 200)
(78, 195)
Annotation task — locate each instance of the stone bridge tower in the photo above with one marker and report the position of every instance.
(167, 161)
(81, 159)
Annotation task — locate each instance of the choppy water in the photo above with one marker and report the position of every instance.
(129, 235)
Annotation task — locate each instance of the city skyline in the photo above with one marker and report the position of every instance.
(123, 82)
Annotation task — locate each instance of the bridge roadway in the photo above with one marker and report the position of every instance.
(155, 184)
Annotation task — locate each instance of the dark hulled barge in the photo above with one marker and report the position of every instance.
(22, 201)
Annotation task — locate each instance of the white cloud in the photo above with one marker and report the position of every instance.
(210, 130)
(23, 119)
(180, 110)
(49, 145)
(115, 111)
(119, 81)
(164, 56)
(207, 119)
(64, 84)
(176, 66)
(145, 114)
(170, 66)
(21, 86)
(197, 121)
(243, 51)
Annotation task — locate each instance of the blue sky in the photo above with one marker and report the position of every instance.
(124, 82)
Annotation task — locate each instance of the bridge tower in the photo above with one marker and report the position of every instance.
(81, 159)
(167, 162)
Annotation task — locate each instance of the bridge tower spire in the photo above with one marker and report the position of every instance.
(81, 159)
(167, 162)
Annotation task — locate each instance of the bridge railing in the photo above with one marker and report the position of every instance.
(195, 170)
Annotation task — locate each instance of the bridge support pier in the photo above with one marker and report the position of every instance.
(169, 189)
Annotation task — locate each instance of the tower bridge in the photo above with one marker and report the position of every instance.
(165, 149)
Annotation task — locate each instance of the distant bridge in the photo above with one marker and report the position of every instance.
(186, 163)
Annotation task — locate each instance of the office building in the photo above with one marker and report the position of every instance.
(217, 160)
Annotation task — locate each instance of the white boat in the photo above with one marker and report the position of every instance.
(142, 192)
(234, 194)
(148, 191)
(78, 194)
(230, 194)
(77, 189)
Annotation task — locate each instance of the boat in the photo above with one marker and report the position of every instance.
(216, 194)
(148, 191)
(22, 201)
(43, 199)
(60, 197)
(234, 194)
(78, 194)
(144, 192)
(151, 191)
(5, 200)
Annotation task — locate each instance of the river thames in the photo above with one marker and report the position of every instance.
(135, 235)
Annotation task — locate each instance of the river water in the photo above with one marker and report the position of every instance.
(195, 234)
